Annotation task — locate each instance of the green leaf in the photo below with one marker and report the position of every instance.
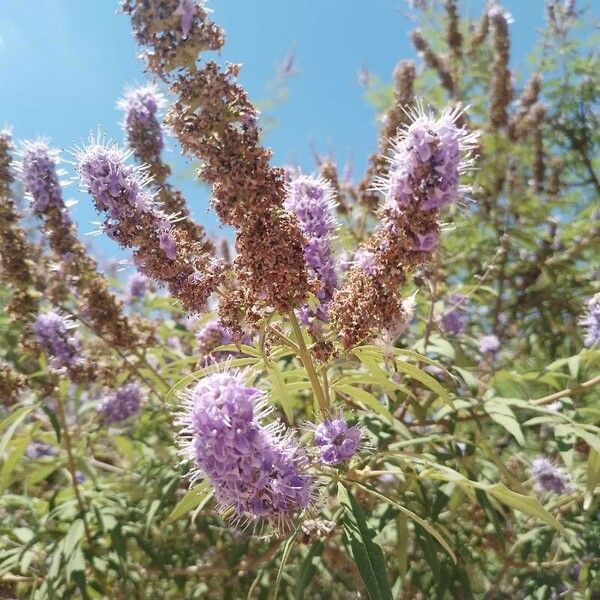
(308, 568)
(424, 378)
(73, 537)
(279, 392)
(17, 418)
(365, 398)
(503, 415)
(190, 501)
(19, 447)
(416, 518)
(526, 504)
(367, 554)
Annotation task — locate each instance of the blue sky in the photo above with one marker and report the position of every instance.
(64, 63)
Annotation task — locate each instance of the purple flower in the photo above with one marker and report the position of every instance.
(38, 449)
(336, 441)
(254, 468)
(311, 199)
(365, 260)
(187, 10)
(489, 344)
(453, 320)
(53, 333)
(548, 477)
(39, 173)
(137, 285)
(591, 321)
(211, 336)
(427, 162)
(144, 134)
(121, 403)
(426, 242)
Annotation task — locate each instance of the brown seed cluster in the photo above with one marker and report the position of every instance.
(17, 269)
(393, 120)
(11, 382)
(215, 121)
(480, 34)
(434, 61)
(530, 112)
(501, 91)
(454, 38)
(371, 301)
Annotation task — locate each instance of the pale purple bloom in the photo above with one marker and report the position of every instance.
(426, 242)
(121, 191)
(137, 285)
(39, 173)
(312, 200)
(336, 440)
(211, 336)
(121, 403)
(38, 449)
(365, 260)
(253, 468)
(548, 477)
(426, 163)
(144, 134)
(186, 10)
(489, 344)
(591, 321)
(453, 320)
(54, 334)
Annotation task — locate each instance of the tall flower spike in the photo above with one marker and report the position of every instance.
(254, 468)
(215, 122)
(397, 117)
(15, 249)
(424, 173)
(134, 220)
(591, 321)
(144, 132)
(39, 172)
(311, 199)
(501, 78)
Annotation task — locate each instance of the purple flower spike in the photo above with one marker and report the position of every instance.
(592, 321)
(489, 344)
(144, 134)
(548, 477)
(53, 333)
(254, 468)
(137, 285)
(39, 172)
(311, 199)
(336, 441)
(121, 404)
(427, 162)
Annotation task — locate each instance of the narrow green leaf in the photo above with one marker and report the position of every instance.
(365, 398)
(308, 568)
(18, 417)
(279, 392)
(424, 378)
(192, 498)
(367, 554)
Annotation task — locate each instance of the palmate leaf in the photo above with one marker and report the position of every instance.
(367, 554)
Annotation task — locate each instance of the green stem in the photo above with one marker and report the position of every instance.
(306, 359)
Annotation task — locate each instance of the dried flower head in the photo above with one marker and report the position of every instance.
(254, 468)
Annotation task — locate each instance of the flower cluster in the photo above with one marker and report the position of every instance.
(11, 382)
(311, 199)
(121, 404)
(453, 320)
(145, 138)
(489, 344)
(253, 467)
(424, 173)
(137, 286)
(548, 477)
(54, 334)
(134, 220)
(14, 246)
(215, 122)
(591, 321)
(211, 336)
(336, 441)
(40, 175)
